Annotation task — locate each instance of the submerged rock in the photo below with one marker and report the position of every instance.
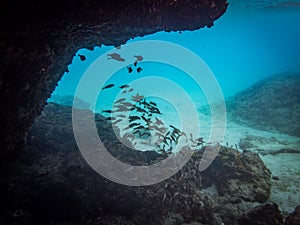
(39, 39)
(293, 218)
(270, 104)
(263, 215)
(52, 182)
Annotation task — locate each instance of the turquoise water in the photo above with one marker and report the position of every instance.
(252, 40)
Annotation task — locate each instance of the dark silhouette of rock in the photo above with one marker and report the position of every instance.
(263, 215)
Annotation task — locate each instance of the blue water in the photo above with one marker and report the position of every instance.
(252, 40)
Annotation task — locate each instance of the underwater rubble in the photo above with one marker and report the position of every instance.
(50, 183)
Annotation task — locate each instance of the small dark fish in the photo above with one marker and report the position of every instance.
(198, 144)
(163, 151)
(117, 121)
(200, 140)
(121, 108)
(121, 116)
(107, 111)
(177, 138)
(137, 131)
(127, 104)
(124, 86)
(158, 122)
(115, 56)
(167, 138)
(153, 103)
(146, 120)
(118, 47)
(139, 57)
(173, 138)
(145, 103)
(131, 125)
(139, 69)
(82, 57)
(165, 141)
(139, 109)
(129, 69)
(108, 86)
(124, 92)
(139, 127)
(155, 110)
(120, 100)
(135, 63)
(137, 97)
(175, 129)
(192, 139)
(130, 90)
(134, 124)
(133, 118)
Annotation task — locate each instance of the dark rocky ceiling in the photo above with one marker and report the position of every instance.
(39, 38)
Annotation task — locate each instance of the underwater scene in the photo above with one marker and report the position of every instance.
(192, 127)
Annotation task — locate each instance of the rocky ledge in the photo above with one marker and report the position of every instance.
(39, 38)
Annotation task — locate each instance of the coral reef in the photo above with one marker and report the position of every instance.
(50, 181)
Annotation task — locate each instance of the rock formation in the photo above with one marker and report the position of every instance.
(50, 181)
(270, 104)
(39, 38)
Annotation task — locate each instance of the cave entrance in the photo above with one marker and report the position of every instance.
(134, 92)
